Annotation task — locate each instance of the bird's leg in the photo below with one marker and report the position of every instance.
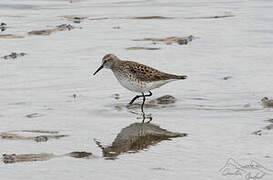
(144, 117)
(133, 100)
(142, 105)
(150, 119)
(150, 94)
(138, 96)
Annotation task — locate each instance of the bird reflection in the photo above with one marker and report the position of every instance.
(143, 116)
(160, 102)
(136, 137)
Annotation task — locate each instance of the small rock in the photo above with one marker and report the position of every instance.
(41, 131)
(167, 99)
(41, 32)
(13, 158)
(33, 115)
(142, 48)
(159, 169)
(75, 19)
(267, 102)
(62, 27)
(116, 96)
(118, 108)
(100, 18)
(212, 17)
(3, 26)
(65, 27)
(227, 77)
(10, 36)
(116, 27)
(9, 158)
(13, 55)
(269, 127)
(149, 17)
(41, 138)
(81, 154)
(247, 105)
(259, 132)
(170, 40)
(9, 136)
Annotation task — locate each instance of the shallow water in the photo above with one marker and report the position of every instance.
(218, 115)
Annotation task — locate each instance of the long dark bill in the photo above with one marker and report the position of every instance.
(98, 69)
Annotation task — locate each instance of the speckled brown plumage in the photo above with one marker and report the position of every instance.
(143, 72)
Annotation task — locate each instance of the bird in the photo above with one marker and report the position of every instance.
(137, 77)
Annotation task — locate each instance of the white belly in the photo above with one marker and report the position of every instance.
(138, 86)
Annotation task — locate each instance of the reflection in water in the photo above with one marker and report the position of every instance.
(157, 103)
(160, 102)
(135, 137)
(143, 117)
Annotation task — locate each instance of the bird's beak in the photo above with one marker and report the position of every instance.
(98, 69)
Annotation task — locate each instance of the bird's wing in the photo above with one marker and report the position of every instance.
(146, 73)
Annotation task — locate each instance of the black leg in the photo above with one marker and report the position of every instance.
(138, 96)
(150, 94)
(143, 118)
(150, 119)
(142, 105)
(133, 100)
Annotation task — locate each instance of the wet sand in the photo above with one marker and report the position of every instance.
(51, 88)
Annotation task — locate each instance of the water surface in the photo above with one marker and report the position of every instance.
(218, 115)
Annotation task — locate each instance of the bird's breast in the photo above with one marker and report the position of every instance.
(131, 83)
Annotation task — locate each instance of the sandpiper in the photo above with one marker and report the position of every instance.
(137, 77)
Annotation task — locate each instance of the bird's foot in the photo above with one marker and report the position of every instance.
(146, 117)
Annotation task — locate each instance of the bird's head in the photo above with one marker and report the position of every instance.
(107, 62)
